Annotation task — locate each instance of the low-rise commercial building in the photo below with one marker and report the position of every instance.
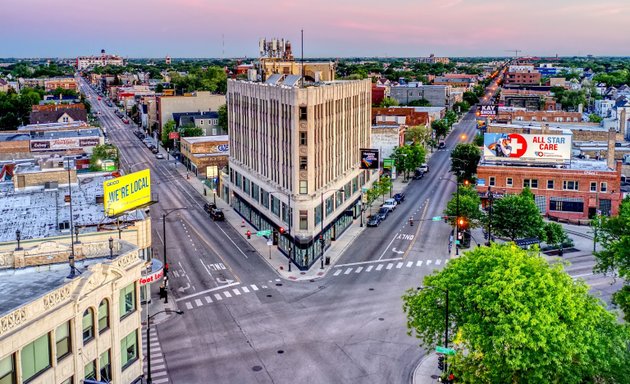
(437, 95)
(58, 113)
(208, 121)
(205, 155)
(85, 62)
(195, 102)
(69, 83)
(59, 327)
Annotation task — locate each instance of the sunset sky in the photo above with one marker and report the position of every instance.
(334, 28)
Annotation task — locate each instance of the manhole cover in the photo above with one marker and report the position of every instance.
(381, 319)
(278, 284)
(269, 295)
(280, 351)
(256, 368)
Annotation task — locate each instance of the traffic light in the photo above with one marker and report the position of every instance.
(281, 230)
(441, 362)
(445, 218)
(466, 183)
(274, 237)
(321, 240)
(461, 222)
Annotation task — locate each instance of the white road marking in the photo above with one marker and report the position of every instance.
(189, 306)
(198, 302)
(245, 289)
(419, 263)
(227, 294)
(207, 291)
(254, 287)
(366, 262)
(379, 267)
(386, 248)
(389, 266)
(369, 268)
(438, 261)
(337, 272)
(217, 296)
(358, 270)
(236, 292)
(347, 271)
(428, 262)
(208, 299)
(409, 264)
(399, 265)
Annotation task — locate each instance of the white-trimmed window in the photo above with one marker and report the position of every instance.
(603, 186)
(509, 182)
(570, 185)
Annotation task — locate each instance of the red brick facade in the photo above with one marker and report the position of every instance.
(522, 78)
(556, 189)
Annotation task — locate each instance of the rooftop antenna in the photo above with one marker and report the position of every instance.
(223, 45)
(302, 66)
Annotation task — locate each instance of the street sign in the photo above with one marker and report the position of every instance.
(263, 233)
(436, 218)
(446, 351)
(269, 243)
(457, 242)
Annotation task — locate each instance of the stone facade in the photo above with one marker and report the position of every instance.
(197, 102)
(99, 283)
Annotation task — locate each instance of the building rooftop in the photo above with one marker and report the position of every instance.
(24, 285)
(206, 139)
(40, 213)
(574, 164)
(294, 81)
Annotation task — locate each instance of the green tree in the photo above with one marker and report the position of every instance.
(513, 318)
(384, 185)
(191, 131)
(418, 134)
(471, 97)
(63, 92)
(388, 102)
(440, 127)
(554, 234)
(613, 233)
(469, 207)
(159, 88)
(103, 152)
(168, 127)
(516, 217)
(461, 107)
(223, 117)
(419, 103)
(451, 118)
(478, 140)
(407, 158)
(464, 160)
(595, 118)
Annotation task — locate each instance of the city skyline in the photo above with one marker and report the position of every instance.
(403, 28)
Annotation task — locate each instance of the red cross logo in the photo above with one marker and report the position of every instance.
(518, 144)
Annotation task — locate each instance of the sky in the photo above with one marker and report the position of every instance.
(332, 28)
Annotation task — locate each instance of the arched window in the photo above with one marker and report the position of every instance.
(88, 325)
(103, 316)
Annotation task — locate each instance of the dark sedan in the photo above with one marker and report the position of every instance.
(374, 221)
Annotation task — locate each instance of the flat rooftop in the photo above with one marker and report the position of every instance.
(37, 212)
(206, 139)
(24, 285)
(574, 164)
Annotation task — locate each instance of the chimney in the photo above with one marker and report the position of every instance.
(610, 156)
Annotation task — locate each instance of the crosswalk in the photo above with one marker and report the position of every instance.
(386, 266)
(226, 294)
(158, 365)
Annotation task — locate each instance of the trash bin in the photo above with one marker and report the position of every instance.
(327, 260)
(162, 292)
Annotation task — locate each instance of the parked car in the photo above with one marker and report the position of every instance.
(217, 214)
(389, 204)
(125, 120)
(423, 168)
(418, 175)
(399, 197)
(209, 206)
(374, 221)
(441, 145)
(159, 156)
(154, 150)
(382, 213)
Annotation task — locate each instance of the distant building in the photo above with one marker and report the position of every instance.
(387, 137)
(378, 94)
(69, 83)
(456, 80)
(522, 77)
(399, 115)
(208, 121)
(4, 86)
(437, 95)
(543, 116)
(85, 62)
(432, 59)
(167, 61)
(53, 113)
(197, 101)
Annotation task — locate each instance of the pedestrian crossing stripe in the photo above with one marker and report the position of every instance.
(217, 296)
(359, 270)
(389, 266)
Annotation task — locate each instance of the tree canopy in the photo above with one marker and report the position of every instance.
(464, 160)
(516, 217)
(388, 102)
(15, 108)
(408, 157)
(103, 152)
(613, 233)
(513, 318)
(213, 79)
(469, 207)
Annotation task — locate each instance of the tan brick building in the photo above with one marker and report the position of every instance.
(205, 155)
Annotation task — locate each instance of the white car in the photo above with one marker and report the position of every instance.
(390, 204)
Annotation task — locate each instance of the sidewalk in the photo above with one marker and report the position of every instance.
(426, 371)
(276, 260)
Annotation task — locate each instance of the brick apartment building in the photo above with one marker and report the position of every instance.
(57, 113)
(574, 191)
(522, 77)
(406, 116)
(547, 115)
(60, 82)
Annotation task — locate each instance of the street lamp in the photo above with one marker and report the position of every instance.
(168, 311)
(164, 215)
(445, 290)
(18, 237)
(321, 234)
(457, 212)
(111, 247)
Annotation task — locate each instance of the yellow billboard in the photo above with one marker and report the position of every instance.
(127, 192)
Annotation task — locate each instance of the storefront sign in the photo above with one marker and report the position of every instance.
(487, 110)
(64, 143)
(369, 158)
(127, 192)
(223, 148)
(521, 147)
(155, 276)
